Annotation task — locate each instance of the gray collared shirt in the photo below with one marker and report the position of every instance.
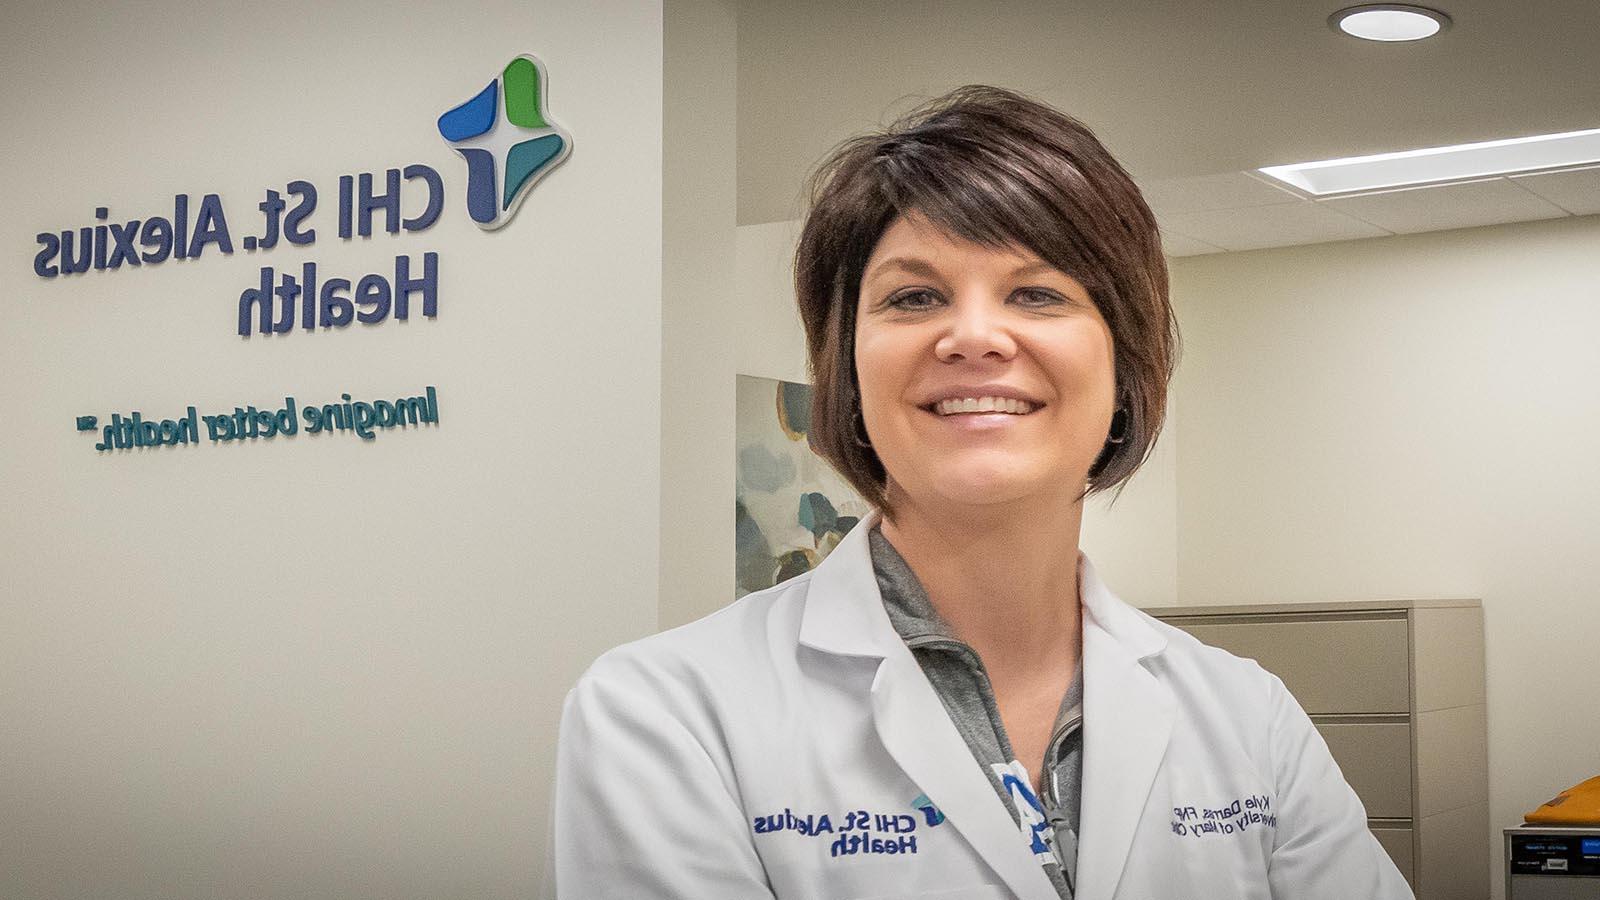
(959, 678)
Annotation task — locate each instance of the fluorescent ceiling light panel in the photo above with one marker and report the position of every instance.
(1440, 164)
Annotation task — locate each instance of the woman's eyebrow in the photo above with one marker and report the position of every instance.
(1033, 268)
(912, 264)
(918, 266)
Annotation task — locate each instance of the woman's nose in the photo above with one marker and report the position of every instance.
(977, 330)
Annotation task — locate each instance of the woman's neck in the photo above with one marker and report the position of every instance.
(1005, 581)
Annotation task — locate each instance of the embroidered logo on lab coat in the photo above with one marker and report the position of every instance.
(932, 812)
(855, 831)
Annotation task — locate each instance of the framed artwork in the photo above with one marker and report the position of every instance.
(791, 508)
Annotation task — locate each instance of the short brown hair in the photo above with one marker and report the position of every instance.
(998, 169)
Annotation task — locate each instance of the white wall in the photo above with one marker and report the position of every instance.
(1412, 417)
(698, 330)
(772, 341)
(1132, 541)
(315, 667)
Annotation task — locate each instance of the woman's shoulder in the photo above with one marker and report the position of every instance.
(1191, 665)
(680, 695)
(740, 641)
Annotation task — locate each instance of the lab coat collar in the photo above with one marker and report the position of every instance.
(844, 611)
(1129, 628)
(1127, 714)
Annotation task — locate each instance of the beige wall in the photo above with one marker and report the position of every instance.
(315, 667)
(772, 342)
(699, 333)
(1412, 417)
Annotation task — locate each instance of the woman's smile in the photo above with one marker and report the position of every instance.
(981, 416)
(981, 409)
(969, 405)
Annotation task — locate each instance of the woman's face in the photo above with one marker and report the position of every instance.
(986, 376)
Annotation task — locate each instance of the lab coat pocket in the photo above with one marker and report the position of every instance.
(979, 892)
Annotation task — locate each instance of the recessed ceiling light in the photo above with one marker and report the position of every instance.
(1389, 22)
(1442, 164)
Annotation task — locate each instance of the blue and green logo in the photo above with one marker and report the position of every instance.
(506, 154)
(929, 811)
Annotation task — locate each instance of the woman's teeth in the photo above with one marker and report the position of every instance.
(983, 404)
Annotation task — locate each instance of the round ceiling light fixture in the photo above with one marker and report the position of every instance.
(1389, 22)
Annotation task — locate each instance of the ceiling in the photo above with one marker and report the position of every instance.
(1191, 97)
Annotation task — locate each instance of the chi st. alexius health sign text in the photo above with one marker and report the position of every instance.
(279, 300)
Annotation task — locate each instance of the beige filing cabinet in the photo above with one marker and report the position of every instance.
(1397, 690)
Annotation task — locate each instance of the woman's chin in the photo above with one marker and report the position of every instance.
(986, 487)
(981, 480)
(983, 488)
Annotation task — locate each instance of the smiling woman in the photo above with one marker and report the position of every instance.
(992, 170)
(953, 704)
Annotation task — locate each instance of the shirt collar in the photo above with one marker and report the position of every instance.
(905, 600)
(845, 613)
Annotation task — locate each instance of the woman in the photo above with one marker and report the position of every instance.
(986, 312)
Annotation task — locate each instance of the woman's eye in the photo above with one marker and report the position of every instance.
(1038, 297)
(913, 299)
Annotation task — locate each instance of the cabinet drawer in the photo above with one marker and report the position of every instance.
(1333, 665)
(1375, 758)
(1397, 841)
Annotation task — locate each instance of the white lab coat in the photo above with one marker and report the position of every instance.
(698, 764)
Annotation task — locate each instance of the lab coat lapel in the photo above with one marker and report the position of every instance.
(918, 733)
(1127, 717)
(844, 615)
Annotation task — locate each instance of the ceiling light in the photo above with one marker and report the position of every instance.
(1435, 164)
(1389, 22)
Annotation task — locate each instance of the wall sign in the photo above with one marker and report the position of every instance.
(506, 155)
(509, 142)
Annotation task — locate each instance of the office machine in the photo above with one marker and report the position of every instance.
(1547, 862)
